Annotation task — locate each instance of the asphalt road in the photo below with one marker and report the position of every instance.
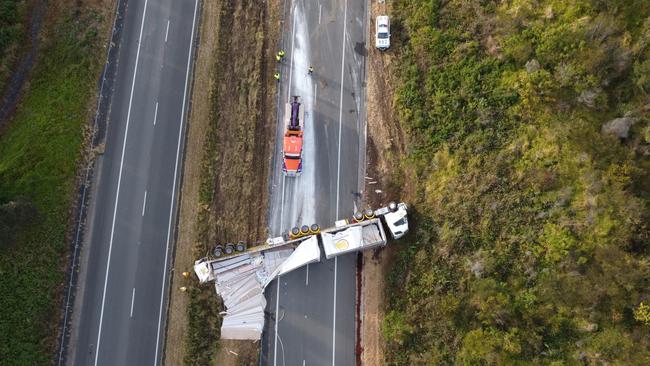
(315, 306)
(119, 311)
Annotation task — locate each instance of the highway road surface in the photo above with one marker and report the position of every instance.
(119, 312)
(311, 311)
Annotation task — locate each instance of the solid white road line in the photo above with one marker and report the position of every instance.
(171, 205)
(144, 202)
(336, 262)
(293, 37)
(277, 305)
(167, 31)
(338, 170)
(119, 181)
(155, 114)
(282, 204)
(132, 301)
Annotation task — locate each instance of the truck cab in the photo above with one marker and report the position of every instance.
(293, 138)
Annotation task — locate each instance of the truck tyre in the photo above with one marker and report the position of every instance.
(368, 214)
(218, 250)
(304, 229)
(241, 246)
(230, 248)
(314, 229)
(358, 216)
(295, 233)
(392, 206)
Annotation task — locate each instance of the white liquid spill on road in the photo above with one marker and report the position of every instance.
(303, 201)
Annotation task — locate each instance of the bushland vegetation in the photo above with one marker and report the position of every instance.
(529, 147)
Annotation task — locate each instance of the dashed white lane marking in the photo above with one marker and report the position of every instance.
(119, 181)
(171, 204)
(155, 114)
(320, 11)
(167, 31)
(144, 202)
(132, 301)
(307, 276)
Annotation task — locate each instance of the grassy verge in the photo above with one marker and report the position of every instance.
(531, 226)
(39, 152)
(233, 186)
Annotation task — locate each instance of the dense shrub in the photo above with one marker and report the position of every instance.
(532, 243)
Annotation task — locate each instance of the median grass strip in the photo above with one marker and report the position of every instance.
(39, 155)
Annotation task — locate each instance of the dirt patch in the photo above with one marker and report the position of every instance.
(385, 149)
(224, 196)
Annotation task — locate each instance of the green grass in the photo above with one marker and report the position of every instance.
(38, 160)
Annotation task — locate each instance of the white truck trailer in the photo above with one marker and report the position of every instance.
(242, 275)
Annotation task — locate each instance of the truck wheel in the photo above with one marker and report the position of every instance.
(304, 229)
(241, 246)
(314, 229)
(230, 248)
(358, 216)
(295, 233)
(218, 250)
(368, 213)
(392, 206)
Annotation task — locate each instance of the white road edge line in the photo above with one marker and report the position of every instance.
(132, 301)
(167, 31)
(336, 261)
(155, 115)
(277, 305)
(144, 202)
(119, 181)
(293, 37)
(338, 170)
(282, 204)
(171, 208)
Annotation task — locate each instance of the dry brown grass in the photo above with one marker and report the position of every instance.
(385, 148)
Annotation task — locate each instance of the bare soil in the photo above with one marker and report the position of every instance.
(385, 149)
(225, 184)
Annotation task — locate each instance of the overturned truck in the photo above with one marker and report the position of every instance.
(241, 274)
